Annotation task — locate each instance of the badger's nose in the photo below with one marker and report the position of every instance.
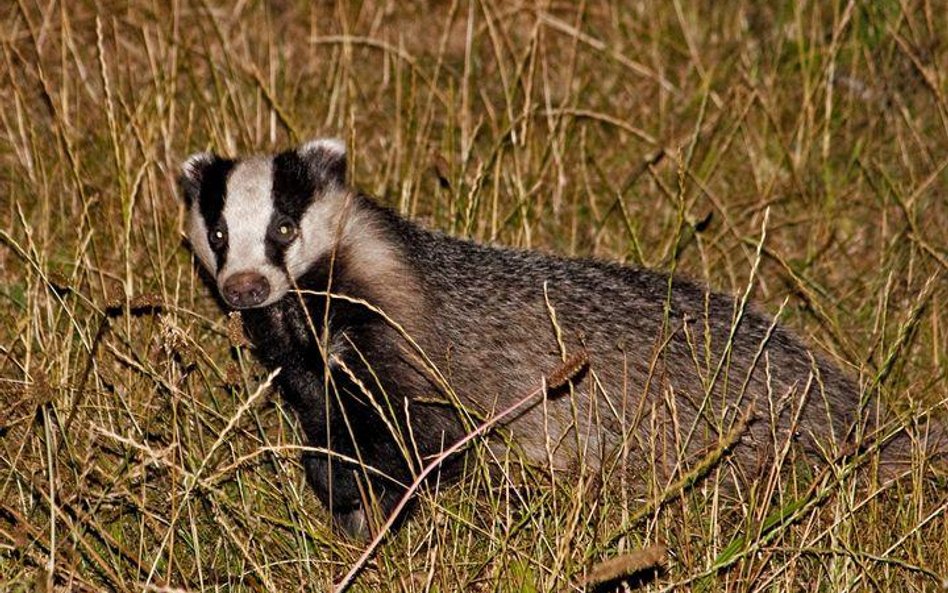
(246, 289)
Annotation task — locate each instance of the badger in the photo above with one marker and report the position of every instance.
(394, 341)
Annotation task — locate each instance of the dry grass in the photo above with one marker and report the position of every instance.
(139, 451)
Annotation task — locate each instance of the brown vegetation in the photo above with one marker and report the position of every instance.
(139, 450)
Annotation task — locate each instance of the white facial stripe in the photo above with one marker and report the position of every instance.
(317, 231)
(248, 208)
(373, 258)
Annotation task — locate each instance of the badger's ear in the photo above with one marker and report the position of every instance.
(326, 160)
(193, 171)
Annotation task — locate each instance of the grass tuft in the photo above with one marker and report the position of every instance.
(141, 448)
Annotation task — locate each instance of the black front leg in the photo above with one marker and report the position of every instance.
(354, 458)
(337, 488)
(328, 470)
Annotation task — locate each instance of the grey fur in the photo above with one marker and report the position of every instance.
(484, 316)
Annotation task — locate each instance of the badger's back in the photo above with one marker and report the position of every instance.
(673, 366)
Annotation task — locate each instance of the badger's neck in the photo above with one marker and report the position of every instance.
(365, 277)
(370, 261)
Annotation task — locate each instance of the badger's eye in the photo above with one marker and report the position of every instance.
(217, 236)
(282, 230)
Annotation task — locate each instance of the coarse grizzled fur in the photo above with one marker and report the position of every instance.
(673, 365)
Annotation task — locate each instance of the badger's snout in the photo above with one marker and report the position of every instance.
(246, 289)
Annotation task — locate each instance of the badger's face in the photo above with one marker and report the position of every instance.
(256, 224)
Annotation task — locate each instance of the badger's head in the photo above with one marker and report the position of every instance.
(258, 223)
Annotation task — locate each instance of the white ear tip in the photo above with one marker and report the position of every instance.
(331, 145)
(193, 164)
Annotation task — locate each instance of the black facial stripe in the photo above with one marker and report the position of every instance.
(276, 253)
(294, 188)
(211, 199)
(220, 250)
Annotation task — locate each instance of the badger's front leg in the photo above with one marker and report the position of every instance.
(337, 489)
(329, 471)
(354, 464)
(342, 489)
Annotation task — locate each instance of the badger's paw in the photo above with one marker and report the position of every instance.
(354, 523)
